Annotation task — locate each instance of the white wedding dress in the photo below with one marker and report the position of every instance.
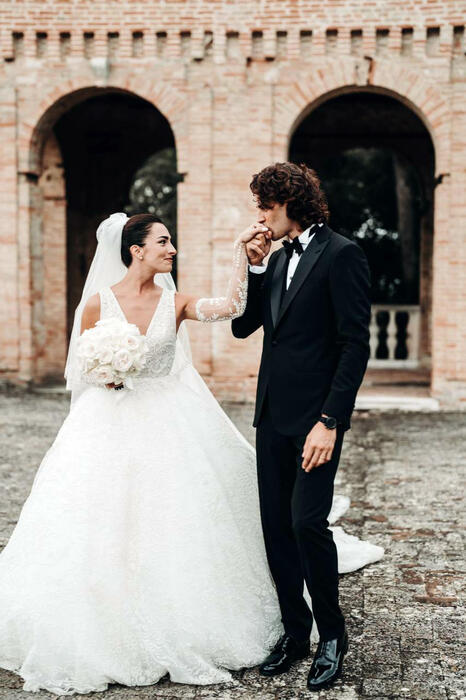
(139, 551)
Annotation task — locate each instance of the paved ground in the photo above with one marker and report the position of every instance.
(404, 614)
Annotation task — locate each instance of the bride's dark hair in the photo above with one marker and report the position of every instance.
(135, 232)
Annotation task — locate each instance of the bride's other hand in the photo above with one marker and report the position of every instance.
(258, 248)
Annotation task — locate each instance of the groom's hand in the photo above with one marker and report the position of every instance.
(318, 447)
(258, 248)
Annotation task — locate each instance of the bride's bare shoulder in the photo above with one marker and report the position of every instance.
(182, 300)
(91, 312)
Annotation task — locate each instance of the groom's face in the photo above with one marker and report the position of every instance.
(276, 219)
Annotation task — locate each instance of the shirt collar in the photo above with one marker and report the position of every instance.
(307, 234)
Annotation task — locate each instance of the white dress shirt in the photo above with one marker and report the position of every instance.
(304, 238)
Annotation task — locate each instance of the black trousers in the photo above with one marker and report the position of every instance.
(300, 547)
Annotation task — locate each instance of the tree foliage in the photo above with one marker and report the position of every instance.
(154, 186)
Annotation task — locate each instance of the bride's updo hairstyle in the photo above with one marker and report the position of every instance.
(135, 232)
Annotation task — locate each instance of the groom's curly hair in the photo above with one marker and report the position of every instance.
(296, 185)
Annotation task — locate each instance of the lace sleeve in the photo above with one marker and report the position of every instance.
(234, 303)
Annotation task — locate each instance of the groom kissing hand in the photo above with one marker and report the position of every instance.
(312, 301)
(320, 441)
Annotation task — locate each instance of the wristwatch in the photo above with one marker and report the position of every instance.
(329, 422)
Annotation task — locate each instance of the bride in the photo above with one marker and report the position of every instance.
(139, 551)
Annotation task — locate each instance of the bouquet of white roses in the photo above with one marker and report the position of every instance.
(112, 352)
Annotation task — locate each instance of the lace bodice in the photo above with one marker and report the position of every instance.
(161, 333)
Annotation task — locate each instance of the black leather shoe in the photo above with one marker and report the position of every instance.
(327, 664)
(283, 655)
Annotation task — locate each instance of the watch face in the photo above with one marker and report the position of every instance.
(331, 423)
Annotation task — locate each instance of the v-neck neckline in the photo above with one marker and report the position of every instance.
(134, 324)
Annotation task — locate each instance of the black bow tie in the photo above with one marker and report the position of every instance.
(294, 246)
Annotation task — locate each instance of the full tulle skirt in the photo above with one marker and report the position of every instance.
(139, 551)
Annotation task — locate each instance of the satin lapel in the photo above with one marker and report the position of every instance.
(308, 259)
(277, 282)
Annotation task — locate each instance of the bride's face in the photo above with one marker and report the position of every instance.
(158, 251)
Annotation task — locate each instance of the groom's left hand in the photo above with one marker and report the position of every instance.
(318, 448)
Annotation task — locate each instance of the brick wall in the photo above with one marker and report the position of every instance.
(233, 79)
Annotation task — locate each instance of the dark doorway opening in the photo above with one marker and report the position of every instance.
(119, 155)
(375, 158)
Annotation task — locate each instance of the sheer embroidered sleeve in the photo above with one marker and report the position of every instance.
(234, 303)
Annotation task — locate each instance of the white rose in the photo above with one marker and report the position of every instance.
(87, 364)
(131, 342)
(88, 348)
(122, 360)
(102, 375)
(95, 332)
(105, 356)
(109, 324)
(132, 328)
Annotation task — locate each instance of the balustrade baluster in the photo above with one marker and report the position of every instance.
(413, 334)
(391, 333)
(373, 334)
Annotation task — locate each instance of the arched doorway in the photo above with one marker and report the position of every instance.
(376, 161)
(108, 151)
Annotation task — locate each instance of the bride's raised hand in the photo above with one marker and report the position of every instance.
(253, 231)
(233, 303)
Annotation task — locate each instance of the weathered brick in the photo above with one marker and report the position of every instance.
(233, 80)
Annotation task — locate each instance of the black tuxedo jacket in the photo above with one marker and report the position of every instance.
(316, 338)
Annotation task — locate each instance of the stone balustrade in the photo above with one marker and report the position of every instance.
(395, 336)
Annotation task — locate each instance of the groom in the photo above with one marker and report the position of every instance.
(312, 301)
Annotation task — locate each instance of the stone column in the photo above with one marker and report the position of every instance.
(9, 302)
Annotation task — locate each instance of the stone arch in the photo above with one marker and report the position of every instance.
(371, 138)
(32, 128)
(416, 93)
(39, 159)
(297, 100)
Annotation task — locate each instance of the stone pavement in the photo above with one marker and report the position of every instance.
(404, 614)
